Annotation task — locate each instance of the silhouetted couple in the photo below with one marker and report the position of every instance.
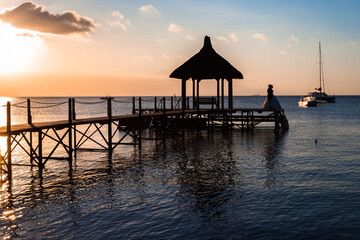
(271, 102)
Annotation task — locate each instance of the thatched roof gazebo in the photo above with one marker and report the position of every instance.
(207, 64)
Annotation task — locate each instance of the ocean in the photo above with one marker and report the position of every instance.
(303, 184)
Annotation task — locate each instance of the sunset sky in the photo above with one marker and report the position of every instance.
(129, 48)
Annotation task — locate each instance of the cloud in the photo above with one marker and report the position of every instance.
(288, 46)
(294, 38)
(26, 35)
(283, 52)
(175, 28)
(233, 37)
(32, 17)
(353, 43)
(222, 38)
(148, 9)
(190, 38)
(117, 14)
(119, 20)
(142, 58)
(259, 36)
(166, 57)
(161, 40)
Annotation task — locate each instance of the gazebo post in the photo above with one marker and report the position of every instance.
(197, 93)
(183, 93)
(193, 87)
(222, 94)
(218, 94)
(230, 95)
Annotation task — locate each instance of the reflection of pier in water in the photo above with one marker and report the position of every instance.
(204, 172)
(272, 151)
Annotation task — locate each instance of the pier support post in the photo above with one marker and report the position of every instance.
(193, 88)
(222, 94)
(29, 111)
(277, 121)
(230, 95)
(41, 166)
(133, 112)
(29, 117)
(197, 95)
(163, 124)
(217, 93)
(183, 93)
(8, 130)
(155, 103)
(133, 108)
(70, 134)
(73, 118)
(140, 122)
(109, 113)
(222, 102)
(183, 101)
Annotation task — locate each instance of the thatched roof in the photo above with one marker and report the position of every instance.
(206, 64)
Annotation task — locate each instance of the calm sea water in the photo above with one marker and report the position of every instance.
(209, 185)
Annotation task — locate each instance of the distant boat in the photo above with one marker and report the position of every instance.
(319, 93)
(308, 101)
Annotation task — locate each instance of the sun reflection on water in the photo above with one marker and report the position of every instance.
(9, 214)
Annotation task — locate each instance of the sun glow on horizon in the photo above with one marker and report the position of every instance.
(18, 49)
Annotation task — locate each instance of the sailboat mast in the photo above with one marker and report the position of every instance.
(320, 68)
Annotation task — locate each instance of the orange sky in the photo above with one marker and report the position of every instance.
(126, 49)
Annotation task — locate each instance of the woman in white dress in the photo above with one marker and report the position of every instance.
(271, 102)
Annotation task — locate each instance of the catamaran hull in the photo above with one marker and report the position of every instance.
(326, 99)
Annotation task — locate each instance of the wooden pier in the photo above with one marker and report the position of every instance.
(107, 132)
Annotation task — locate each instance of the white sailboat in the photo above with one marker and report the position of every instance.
(319, 94)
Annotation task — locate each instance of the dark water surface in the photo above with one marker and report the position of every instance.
(209, 185)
